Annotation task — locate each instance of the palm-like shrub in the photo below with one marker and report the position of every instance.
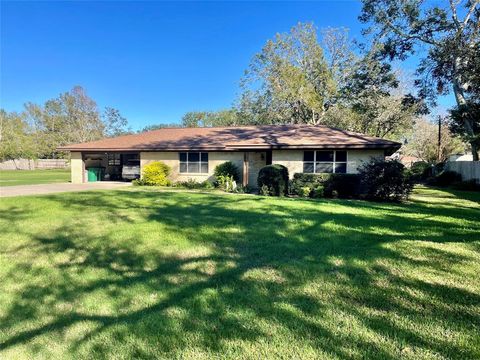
(227, 183)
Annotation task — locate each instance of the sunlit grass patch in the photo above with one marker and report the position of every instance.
(159, 274)
(30, 177)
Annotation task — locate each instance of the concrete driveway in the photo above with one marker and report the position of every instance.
(40, 189)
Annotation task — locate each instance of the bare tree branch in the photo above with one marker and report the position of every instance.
(470, 12)
(409, 36)
(453, 7)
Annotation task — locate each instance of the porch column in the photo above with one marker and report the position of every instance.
(83, 169)
(245, 169)
(77, 167)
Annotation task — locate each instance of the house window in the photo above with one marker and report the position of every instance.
(113, 159)
(325, 161)
(194, 162)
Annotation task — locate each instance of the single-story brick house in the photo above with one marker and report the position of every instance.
(193, 153)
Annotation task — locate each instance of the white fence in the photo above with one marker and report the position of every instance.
(28, 164)
(468, 169)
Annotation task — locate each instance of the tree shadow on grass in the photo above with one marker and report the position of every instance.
(249, 274)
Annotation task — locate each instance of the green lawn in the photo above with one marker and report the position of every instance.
(29, 177)
(145, 274)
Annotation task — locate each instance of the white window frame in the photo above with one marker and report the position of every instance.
(200, 162)
(334, 162)
(114, 159)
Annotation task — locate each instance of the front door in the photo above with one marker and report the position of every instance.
(256, 161)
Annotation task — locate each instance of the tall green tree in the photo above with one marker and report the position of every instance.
(159, 126)
(114, 123)
(289, 80)
(16, 137)
(297, 79)
(447, 37)
(378, 105)
(467, 113)
(229, 117)
(72, 117)
(423, 142)
(371, 98)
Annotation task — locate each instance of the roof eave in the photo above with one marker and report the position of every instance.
(316, 146)
(241, 147)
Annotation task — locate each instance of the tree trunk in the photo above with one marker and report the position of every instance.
(474, 151)
(460, 98)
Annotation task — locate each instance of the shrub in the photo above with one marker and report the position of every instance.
(138, 182)
(318, 192)
(227, 169)
(193, 184)
(310, 181)
(420, 171)
(264, 190)
(305, 191)
(344, 185)
(227, 183)
(275, 177)
(467, 185)
(156, 174)
(303, 184)
(245, 189)
(385, 180)
(447, 178)
(438, 168)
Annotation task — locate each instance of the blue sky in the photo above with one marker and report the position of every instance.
(153, 61)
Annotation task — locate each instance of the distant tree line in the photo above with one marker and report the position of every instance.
(72, 117)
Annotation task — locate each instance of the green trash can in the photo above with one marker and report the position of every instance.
(95, 174)
(92, 175)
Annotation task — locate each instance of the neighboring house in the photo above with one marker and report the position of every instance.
(406, 160)
(193, 153)
(461, 157)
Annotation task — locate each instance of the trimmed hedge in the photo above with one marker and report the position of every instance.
(274, 178)
(325, 185)
(194, 184)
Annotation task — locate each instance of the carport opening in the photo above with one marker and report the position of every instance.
(111, 166)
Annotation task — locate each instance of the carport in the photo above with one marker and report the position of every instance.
(110, 166)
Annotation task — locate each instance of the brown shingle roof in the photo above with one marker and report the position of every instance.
(238, 138)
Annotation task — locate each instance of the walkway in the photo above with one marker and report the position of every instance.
(40, 189)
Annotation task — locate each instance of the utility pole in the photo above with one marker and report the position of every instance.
(439, 153)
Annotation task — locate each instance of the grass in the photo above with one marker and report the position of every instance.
(30, 177)
(141, 273)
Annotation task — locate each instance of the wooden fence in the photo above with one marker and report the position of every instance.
(468, 169)
(29, 164)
